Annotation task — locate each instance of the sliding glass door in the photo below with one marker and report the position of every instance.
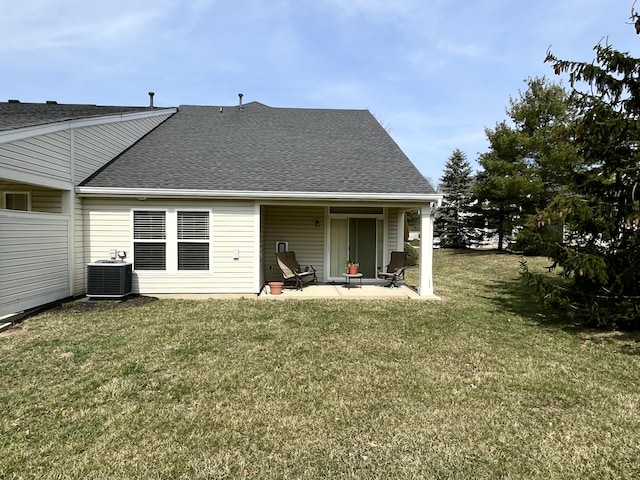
(356, 239)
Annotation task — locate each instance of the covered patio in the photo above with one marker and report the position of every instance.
(329, 236)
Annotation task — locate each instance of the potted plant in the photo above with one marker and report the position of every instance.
(352, 267)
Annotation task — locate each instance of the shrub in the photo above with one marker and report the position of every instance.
(412, 254)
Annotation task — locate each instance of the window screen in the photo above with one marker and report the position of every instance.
(149, 225)
(193, 240)
(149, 256)
(149, 236)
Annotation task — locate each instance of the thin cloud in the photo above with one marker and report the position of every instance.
(438, 72)
(382, 8)
(41, 25)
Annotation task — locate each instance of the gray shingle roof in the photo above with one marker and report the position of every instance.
(265, 149)
(17, 114)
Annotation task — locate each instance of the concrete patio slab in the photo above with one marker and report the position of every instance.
(339, 291)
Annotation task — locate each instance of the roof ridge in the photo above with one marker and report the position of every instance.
(260, 104)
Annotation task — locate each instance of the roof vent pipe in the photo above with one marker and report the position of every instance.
(151, 94)
(240, 95)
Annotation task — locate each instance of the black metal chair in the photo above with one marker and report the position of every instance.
(395, 270)
(293, 272)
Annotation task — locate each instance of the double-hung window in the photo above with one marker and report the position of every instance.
(170, 240)
(193, 240)
(149, 240)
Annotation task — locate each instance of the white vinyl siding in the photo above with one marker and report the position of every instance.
(392, 231)
(96, 145)
(296, 225)
(46, 200)
(73, 155)
(233, 227)
(34, 259)
(105, 230)
(46, 155)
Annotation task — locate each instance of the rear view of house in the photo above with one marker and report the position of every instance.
(199, 197)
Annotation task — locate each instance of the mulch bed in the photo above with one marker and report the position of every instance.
(82, 305)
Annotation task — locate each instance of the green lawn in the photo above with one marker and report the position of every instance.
(485, 384)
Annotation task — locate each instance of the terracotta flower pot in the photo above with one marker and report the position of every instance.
(353, 269)
(275, 288)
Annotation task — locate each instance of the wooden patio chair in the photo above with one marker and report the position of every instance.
(293, 272)
(395, 270)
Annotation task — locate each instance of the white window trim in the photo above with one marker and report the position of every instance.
(19, 192)
(171, 240)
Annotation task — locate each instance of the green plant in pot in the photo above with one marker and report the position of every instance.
(352, 267)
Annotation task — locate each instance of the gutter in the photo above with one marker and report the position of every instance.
(146, 193)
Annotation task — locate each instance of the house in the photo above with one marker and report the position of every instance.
(201, 196)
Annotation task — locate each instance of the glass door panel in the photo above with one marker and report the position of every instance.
(362, 244)
(339, 246)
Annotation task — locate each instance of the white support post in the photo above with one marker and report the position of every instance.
(426, 251)
(258, 261)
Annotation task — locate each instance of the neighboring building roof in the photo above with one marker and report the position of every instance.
(14, 114)
(264, 149)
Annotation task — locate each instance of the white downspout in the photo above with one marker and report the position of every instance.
(67, 209)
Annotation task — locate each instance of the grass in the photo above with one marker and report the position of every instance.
(485, 384)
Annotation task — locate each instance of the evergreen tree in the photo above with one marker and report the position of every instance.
(507, 188)
(455, 223)
(542, 116)
(414, 218)
(599, 203)
(520, 171)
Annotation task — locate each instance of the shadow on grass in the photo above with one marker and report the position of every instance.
(476, 252)
(518, 298)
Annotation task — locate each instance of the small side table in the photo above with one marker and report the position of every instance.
(349, 276)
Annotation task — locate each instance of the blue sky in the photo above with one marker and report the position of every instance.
(435, 73)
